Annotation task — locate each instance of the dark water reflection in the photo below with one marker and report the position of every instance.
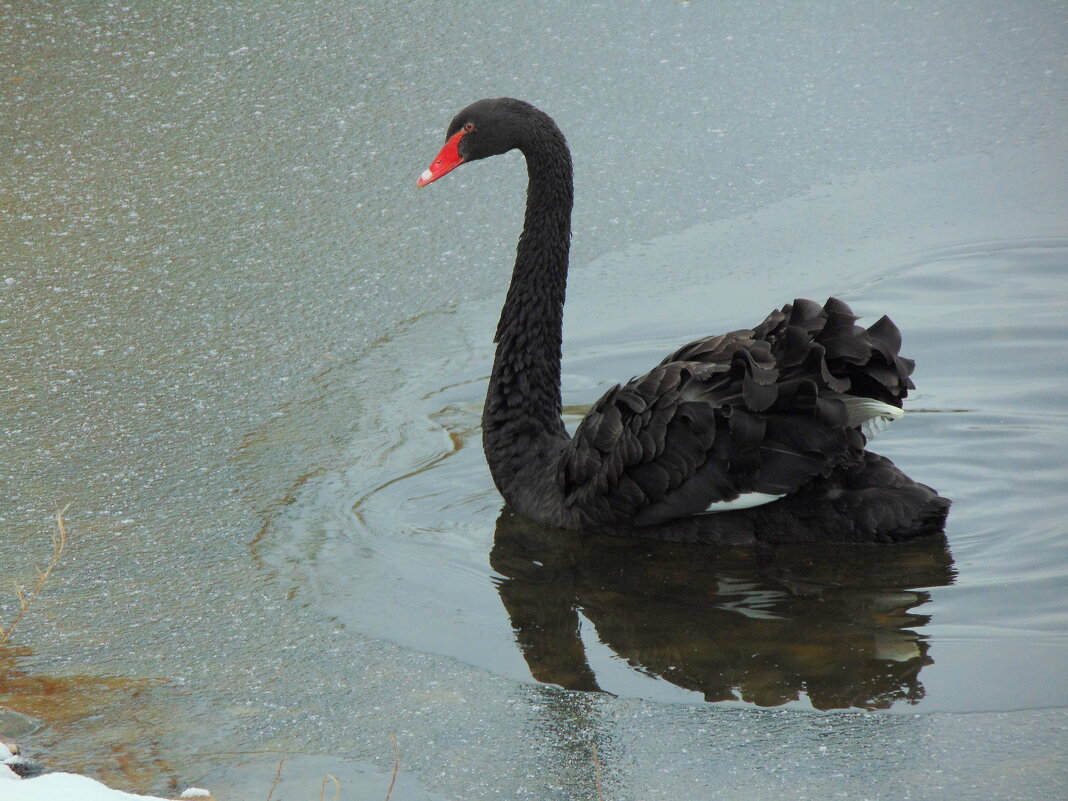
(830, 622)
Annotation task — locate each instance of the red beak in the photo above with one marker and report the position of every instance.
(448, 160)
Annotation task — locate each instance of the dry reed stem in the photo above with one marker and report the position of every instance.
(597, 772)
(334, 779)
(277, 778)
(59, 544)
(337, 787)
(396, 766)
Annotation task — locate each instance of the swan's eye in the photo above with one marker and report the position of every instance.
(468, 127)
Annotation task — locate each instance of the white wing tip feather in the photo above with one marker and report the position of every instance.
(872, 417)
(747, 500)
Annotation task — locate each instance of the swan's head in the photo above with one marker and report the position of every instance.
(485, 128)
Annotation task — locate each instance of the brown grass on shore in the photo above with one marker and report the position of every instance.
(27, 597)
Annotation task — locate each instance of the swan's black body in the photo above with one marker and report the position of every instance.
(762, 410)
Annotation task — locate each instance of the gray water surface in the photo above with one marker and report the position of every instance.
(419, 552)
(250, 356)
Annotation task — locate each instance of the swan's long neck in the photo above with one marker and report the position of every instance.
(521, 425)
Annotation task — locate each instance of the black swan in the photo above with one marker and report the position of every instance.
(775, 417)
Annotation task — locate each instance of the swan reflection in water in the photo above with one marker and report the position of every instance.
(765, 625)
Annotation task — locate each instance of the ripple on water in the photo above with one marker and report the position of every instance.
(410, 544)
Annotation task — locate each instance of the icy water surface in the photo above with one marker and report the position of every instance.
(250, 357)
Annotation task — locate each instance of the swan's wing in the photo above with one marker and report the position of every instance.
(824, 342)
(754, 411)
(687, 436)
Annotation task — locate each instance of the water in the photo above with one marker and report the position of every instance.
(418, 552)
(251, 356)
